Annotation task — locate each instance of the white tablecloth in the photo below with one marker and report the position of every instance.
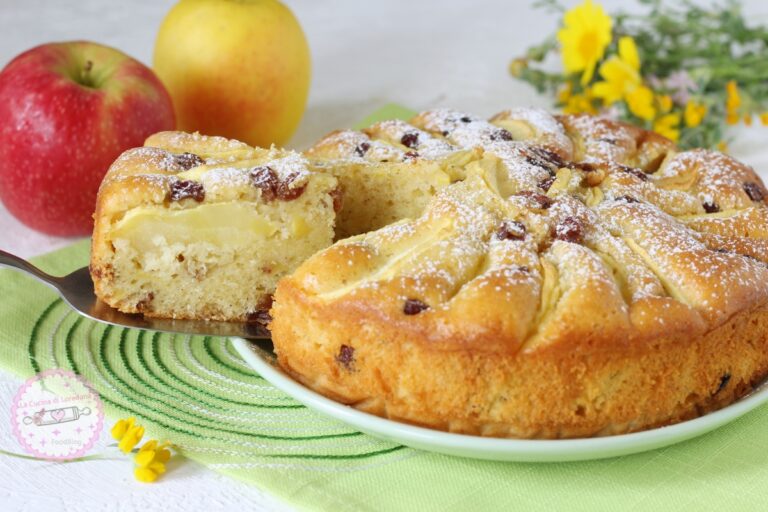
(365, 54)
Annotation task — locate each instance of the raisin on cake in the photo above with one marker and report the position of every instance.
(200, 227)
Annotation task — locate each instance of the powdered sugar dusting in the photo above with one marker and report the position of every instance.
(146, 174)
(601, 140)
(714, 178)
(620, 221)
(539, 118)
(356, 147)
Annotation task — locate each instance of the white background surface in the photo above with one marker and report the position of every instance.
(365, 54)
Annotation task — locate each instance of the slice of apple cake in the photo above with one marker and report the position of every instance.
(191, 226)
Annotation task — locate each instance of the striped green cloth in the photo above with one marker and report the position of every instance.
(198, 394)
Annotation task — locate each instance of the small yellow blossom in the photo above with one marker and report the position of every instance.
(150, 461)
(628, 52)
(584, 37)
(517, 66)
(127, 433)
(732, 102)
(694, 113)
(640, 102)
(621, 80)
(621, 74)
(665, 103)
(722, 146)
(121, 427)
(748, 119)
(564, 94)
(668, 126)
(764, 118)
(580, 103)
(153, 451)
(733, 98)
(150, 458)
(147, 475)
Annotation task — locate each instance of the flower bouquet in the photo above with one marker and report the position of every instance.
(684, 71)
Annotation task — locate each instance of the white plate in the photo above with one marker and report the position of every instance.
(493, 448)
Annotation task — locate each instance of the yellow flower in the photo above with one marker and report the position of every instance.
(517, 66)
(585, 34)
(146, 475)
(733, 99)
(121, 427)
(694, 113)
(640, 102)
(150, 461)
(153, 451)
(151, 457)
(564, 94)
(665, 103)
(628, 52)
(127, 433)
(732, 102)
(748, 119)
(667, 125)
(580, 103)
(621, 79)
(764, 118)
(722, 146)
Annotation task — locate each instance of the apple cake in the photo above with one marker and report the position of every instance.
(589, 278)
(196, 227)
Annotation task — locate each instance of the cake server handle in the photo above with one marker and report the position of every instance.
(9, 260)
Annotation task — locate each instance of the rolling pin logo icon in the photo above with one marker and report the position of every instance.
(45, 417)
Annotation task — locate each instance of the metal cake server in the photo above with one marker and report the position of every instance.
(77, 290)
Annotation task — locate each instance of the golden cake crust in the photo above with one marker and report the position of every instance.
(609, 283)
(546, 393)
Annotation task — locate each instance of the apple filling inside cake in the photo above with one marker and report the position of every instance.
(206, 234)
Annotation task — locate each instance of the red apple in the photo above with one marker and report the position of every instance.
(67, 111)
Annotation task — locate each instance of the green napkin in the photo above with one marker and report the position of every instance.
(198, 394)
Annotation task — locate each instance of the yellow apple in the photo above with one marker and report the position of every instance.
(237, 68)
